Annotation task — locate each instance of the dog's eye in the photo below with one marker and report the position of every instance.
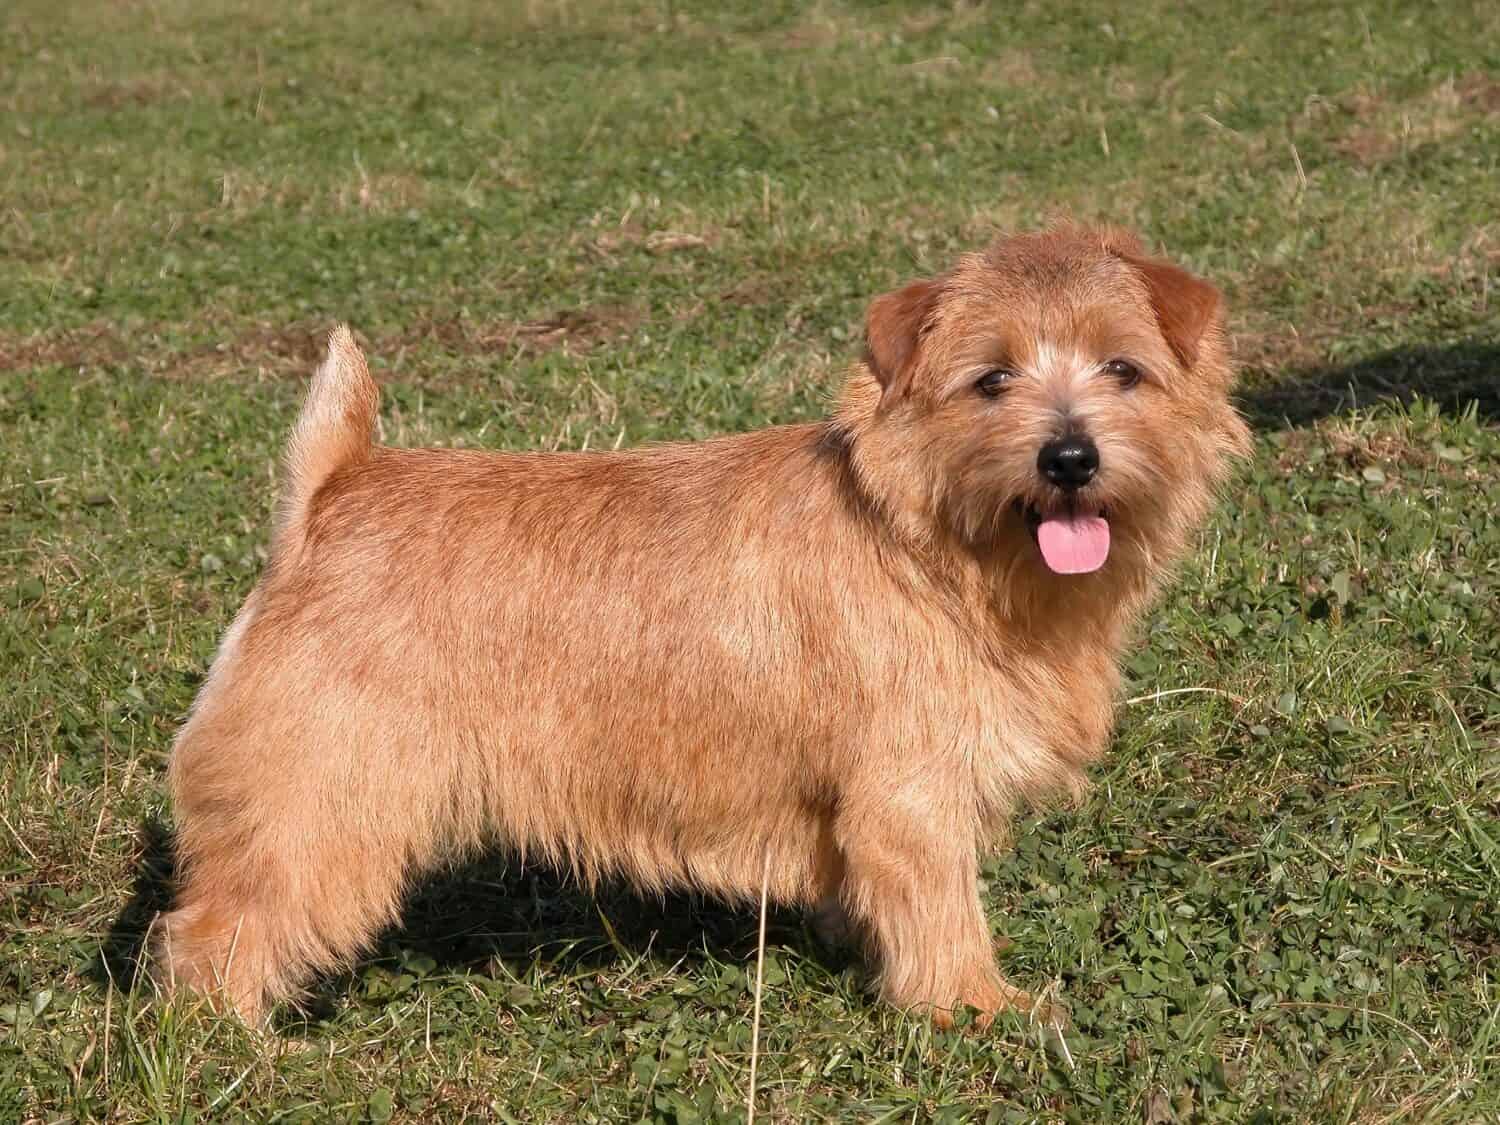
(1125, 371)
(991, 383)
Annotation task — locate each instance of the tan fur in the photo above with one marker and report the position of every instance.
(836, 642)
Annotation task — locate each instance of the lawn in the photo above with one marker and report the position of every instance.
(569, 225)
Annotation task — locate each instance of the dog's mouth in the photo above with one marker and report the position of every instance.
(1072, 541)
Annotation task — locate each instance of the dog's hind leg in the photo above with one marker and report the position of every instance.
(264, 903)
(293, 854)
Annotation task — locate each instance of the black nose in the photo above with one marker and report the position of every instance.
(1069, 463)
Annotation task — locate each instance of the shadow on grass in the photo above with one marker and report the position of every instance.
(493, 916)
(122, 962)
(1452, 376)
(490, 915)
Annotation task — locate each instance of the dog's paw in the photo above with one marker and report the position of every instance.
(991, 998)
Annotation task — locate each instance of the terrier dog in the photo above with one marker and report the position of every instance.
(840, 653)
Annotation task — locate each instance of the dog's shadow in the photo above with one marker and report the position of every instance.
(1454, 376)
(492, 915)
(122, 960)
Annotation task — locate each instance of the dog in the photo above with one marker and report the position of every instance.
(834, 656)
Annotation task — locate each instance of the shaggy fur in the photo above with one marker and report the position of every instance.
(834, 642)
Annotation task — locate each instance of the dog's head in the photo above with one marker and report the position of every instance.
(1062, 396)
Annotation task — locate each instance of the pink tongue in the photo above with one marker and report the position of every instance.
(1074, 546)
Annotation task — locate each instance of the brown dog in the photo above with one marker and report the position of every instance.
(847, 649)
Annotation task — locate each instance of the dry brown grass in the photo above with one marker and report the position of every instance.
(292, 350)
(1383, 130)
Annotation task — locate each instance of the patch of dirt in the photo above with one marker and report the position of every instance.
(1263, 346)
(574, 331)
(134, 92)
(1341, 445)
(632, 235)
(1010, 69)
(1368, 146)
(1479, 91)
(294, 350)
(807, 35)
(1272, 350)
(1384, 130)
(757, 289)
(92, 345)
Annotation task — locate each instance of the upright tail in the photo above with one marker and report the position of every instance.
(332, 432)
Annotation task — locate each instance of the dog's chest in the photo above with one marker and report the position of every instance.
(1035, 727)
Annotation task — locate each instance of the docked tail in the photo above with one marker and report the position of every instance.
(332, 432)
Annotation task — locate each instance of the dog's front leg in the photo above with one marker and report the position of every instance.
(911, 883)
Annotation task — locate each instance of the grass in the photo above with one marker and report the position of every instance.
(576, 225)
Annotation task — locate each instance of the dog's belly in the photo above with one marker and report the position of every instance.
(671, 776)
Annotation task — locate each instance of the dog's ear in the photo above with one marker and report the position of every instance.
(1185, 305)
(894, 327)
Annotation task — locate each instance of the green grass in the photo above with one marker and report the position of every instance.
(571, 224)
